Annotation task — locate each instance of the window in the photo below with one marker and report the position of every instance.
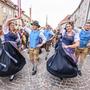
(0, 5)
(4, 9)
(10, 12)
(89, 15)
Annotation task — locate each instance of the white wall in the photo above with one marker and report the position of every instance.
(80, 16)
(5, 12)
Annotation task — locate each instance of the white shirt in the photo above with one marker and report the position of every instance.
(5, 29)
(28, 30)
(2, 38)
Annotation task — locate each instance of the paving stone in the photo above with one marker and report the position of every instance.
(43, 80)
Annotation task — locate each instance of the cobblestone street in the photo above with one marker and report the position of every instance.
(45, 81)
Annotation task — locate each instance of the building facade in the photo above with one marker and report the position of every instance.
(80, 16)
(8, 10)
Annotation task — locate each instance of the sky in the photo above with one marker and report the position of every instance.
(55, 10)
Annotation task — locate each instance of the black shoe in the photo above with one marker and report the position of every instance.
(11, 77)
(34, 72)
(45, 58)
(33, 69)
(38, 59)
(61, 78)
(79, 73)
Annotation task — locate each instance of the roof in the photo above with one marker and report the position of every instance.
(77, 8)
(65, 19)
(9, 3)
